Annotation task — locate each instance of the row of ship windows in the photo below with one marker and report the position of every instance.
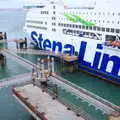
(96, 28)
(53, 29)
(84, 34)
(98, 21)
(39, 22)
(37, 27)
(93, 13)
(44, 12)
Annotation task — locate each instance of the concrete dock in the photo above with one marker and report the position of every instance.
(41, 105)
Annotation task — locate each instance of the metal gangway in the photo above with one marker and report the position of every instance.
(13, 56)
(92, 99)
(16, 80)
(44, 52)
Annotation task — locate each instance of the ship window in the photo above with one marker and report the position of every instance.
(53, 18)
(103, 29)
(83, 27)
(113, 14)
(53, 29)
(112, 30)
(69, 25)
(94, 28)
(79, 26)
(118, 22)
(45, 23)
(98, 28)
(119, 14)
(107, 29)
(90, 27)
(117, 30)
(53, 7)
(54, 12)
(53, 24)
(86, 27)
(78, 32)
(73, 25)
(37, 27)
(76, 26)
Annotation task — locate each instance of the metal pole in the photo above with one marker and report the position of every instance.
(52, 64)
(49, 68)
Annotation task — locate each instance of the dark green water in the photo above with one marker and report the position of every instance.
(102, 88)
(10, 109)
(11, 68)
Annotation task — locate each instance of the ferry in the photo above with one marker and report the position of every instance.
(88, 29)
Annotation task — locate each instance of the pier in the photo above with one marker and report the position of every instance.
(99, 103)
(41, 105)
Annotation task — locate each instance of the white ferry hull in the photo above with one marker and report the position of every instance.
(93, 56)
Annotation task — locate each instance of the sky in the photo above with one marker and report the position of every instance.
(11, 3)
(19, 3)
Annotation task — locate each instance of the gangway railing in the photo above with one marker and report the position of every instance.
(79, 111)
(91, 98)
(29, 65)
(16, 80)
(39, 52)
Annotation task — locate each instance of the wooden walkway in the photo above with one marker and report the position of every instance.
(41, 105)
(65, 57)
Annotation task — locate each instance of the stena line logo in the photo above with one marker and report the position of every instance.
(70, 49)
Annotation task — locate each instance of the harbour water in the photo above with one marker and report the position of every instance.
(12, 22)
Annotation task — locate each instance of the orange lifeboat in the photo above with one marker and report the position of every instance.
(115, 43)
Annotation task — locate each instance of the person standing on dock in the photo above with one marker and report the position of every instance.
(25, 43)
(5, 38)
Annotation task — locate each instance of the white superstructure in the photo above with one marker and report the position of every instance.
(88, 28)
